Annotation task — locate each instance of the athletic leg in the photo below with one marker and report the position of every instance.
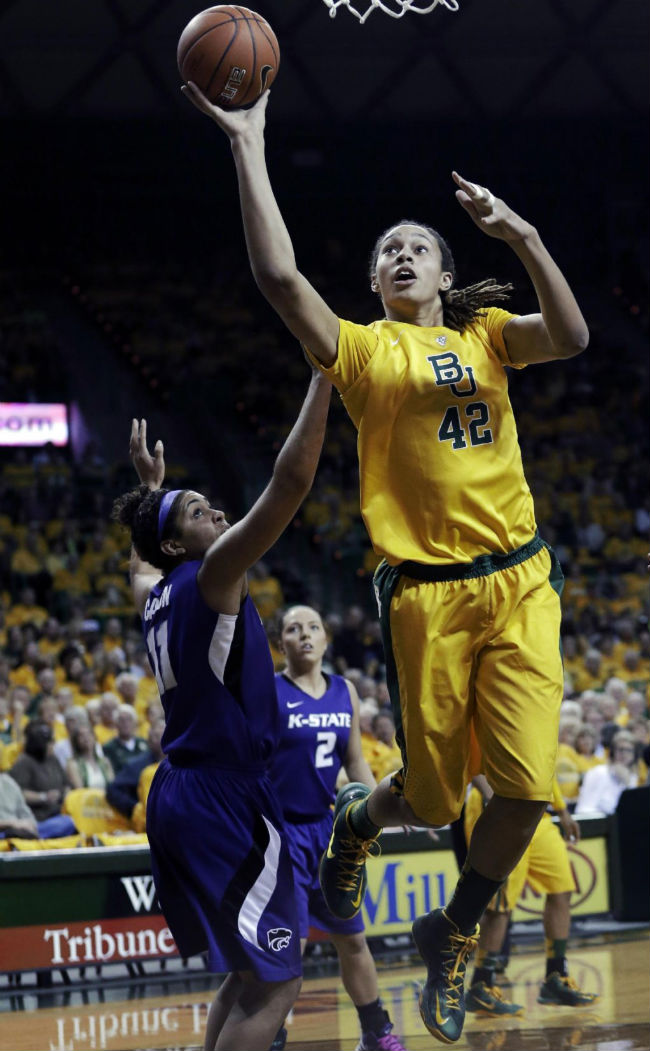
(359, 977)
(358, 972)
(483, 996)
(501, 835)
(557, 918)
(220, 1008)
(256, 1014)
(558, 987)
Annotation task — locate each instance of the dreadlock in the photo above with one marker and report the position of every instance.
(138, 511)
(461, 306)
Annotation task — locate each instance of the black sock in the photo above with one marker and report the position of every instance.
(556, 956)
(471, 898)
(372, 1017)
(485, 970)
(557, 964)
(359, 821)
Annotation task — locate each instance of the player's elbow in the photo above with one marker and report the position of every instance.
(573, 344)
(277, 281)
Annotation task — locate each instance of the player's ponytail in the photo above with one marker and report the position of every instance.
(139, 511)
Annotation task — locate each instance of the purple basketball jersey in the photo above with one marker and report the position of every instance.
(314, 734)
(215, 676)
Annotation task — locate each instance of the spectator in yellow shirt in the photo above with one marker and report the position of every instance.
(27, 610)
(591, 675)
(26, 672)
(633, 671)
(26, 562)
(113, 636)
(585, 749)
(106, 728)
(52, 640)
(72, 580)
(265, 590)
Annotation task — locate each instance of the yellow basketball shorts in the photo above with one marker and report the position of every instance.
(545, 862)
(477, 651)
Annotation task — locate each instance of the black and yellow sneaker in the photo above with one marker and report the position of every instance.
(488, 1000)
(342, 869)
(446, 952)
(560, 989)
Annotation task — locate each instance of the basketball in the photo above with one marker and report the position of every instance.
(230, 53)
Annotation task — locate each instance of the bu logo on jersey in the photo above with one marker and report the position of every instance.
(450, 372)
(279, 938)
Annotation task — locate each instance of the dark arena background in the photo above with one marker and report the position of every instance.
(126, 292)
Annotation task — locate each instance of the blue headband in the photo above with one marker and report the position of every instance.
(165, 508)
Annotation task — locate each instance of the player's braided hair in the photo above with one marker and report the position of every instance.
(138, 511)
(461, 306)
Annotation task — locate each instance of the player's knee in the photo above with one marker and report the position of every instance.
(285, 994)
(351, 944)
(256, 991)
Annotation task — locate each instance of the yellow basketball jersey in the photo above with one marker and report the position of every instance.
(440, 465)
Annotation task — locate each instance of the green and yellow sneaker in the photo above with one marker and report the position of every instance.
(487, 1000)
(446, 952)
(342, 869)
(560, 989)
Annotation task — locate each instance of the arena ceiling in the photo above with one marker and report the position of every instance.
(493, 59)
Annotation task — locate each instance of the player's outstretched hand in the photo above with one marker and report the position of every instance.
(232, 121)
(490, 213)
(151, 469)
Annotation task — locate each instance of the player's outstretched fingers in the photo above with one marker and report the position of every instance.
(196, 96)
(482, 198)
(229, 120)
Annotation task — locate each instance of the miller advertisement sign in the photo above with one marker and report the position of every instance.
(98, 907)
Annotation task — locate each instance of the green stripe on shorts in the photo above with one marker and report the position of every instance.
(385, 581)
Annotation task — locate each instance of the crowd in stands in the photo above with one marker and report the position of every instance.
(79, 707)
(80, 710)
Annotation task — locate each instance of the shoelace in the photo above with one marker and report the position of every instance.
(461, 947)
(389, 1043)
(574, 987)
(496, 993)
(352, 854)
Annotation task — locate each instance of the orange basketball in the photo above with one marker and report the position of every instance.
(230, 53)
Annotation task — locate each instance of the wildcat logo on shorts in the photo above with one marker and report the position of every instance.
(279, 938)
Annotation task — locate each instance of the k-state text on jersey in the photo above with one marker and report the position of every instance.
(319, 719)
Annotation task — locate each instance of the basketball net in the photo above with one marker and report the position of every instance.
(396, 8)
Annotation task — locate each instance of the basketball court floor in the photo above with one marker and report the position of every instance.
(165, 1010)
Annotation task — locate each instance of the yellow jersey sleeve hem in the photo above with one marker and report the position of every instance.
(494, 324)
(327, 370)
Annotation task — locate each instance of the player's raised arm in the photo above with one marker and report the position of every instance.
(270, 250)
(355, 763)
(560, 330)
(151, 473)
(227, 560)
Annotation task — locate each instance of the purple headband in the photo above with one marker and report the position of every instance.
(165, 508)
